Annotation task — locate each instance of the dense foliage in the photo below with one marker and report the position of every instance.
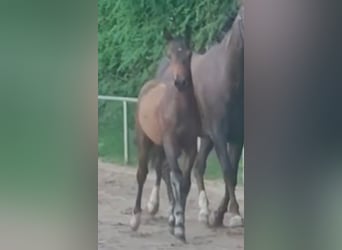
(130, 41)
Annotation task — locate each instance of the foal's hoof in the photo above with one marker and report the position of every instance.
(215, 220)
(152, 208)
(135, 221)
(179, 233)
(235, 221)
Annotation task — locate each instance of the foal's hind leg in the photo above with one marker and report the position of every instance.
(153, 203)
(216, 218)
(200, 166)
(144, 146)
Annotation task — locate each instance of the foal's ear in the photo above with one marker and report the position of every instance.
(187, 35)
(167, 35)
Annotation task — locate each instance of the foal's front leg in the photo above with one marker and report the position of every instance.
(177, 184)
(166, 178)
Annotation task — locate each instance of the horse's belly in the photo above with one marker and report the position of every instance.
(148, 113)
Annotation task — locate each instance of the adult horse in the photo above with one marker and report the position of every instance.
(167, 124)
(218, 79)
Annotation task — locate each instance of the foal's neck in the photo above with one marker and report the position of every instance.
(187, 93)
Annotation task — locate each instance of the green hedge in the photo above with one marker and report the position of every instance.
(130, 42)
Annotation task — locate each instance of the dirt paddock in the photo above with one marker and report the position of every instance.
(116, 196)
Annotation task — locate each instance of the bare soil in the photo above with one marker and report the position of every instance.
(116, 197)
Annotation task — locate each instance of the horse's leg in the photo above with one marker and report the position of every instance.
(144, 146)
(190, 159)
(177, 184)
(234, 152)
(200, 166)
(153, 203)
(216, 218)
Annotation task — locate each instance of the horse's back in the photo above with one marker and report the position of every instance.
(215, 93)
(149, 102)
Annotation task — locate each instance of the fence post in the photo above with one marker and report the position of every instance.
(125, 132)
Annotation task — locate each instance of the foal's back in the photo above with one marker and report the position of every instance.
(147, 111)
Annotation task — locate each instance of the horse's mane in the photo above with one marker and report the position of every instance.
(222, 35)
(225, 40)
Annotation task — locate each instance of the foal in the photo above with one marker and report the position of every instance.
(167, 124)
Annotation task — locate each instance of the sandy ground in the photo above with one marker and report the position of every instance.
(116, 197)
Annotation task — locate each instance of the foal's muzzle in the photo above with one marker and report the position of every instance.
(180, 84)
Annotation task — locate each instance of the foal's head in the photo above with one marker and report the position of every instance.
(179, 54)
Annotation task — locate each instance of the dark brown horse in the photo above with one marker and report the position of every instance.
(218, 78)
(167, 124)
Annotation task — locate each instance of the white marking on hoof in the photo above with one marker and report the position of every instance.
(153, 203)
(203, 205)
(235, 221)
(135, 221)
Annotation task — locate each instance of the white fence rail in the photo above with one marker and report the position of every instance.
(124, 101)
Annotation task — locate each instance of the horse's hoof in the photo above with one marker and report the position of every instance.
(203, 217)
(179, 233)
(135, 221)
(215, 220)
(235, 221)
(152, 208)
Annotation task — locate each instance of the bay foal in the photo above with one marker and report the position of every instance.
(167, 124)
